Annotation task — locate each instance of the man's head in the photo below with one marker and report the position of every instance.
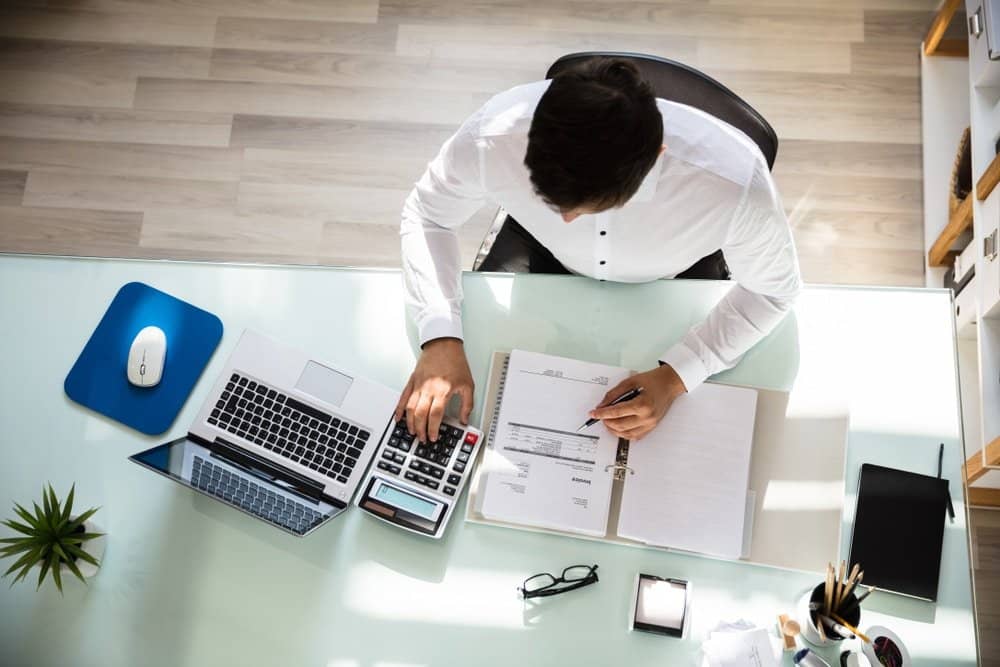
(595, 135)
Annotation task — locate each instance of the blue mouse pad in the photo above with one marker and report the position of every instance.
(98, 380)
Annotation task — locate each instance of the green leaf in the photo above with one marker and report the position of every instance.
(23, 573)
(69, 503)
(28, 559)
(56, 575)
(80, 520)
(80, 537)
(56, 510)
(75, 570)
(19, 527)
(59, 551)
(43, 522)
(17, 548)
(81, 554)
(42, 572)
(26, 515)
(17, 540)
(45, 502)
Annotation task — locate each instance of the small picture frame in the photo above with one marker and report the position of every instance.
(660, 605)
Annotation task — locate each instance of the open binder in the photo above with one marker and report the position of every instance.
(795, 485)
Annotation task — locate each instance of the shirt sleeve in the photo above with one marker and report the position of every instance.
(761, 256)
(446, 196)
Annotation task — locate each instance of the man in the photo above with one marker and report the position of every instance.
(616, 185)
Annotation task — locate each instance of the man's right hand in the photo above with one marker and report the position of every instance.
(441, 372)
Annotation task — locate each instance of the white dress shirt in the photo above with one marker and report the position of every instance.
(710, 189)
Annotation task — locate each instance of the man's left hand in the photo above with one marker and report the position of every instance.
(634, 419)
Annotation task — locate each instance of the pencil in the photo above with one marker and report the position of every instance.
(863, 637)
(850, 589)
(852, 581)
(828, 589)
(840, 583)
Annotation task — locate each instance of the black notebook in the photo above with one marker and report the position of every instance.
(898, 530)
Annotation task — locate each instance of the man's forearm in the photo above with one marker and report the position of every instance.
(738, 322)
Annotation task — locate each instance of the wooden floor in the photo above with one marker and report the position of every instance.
(291, 130)
(985, 526)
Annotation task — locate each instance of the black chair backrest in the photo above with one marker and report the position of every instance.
(679, 83)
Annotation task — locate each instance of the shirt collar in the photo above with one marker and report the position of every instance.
(647, 190)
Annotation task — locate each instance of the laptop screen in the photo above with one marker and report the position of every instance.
(254, 488)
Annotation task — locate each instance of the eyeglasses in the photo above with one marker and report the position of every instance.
(545, 584)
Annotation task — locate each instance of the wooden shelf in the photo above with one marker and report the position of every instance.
(989, 179)
(934, 42)
(976, 467)
(954, 48)
(981, 496)
(959, 221)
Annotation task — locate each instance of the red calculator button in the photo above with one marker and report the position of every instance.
(471, 438)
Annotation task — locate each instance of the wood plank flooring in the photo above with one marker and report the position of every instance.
(319, 114)
(290, 130)
(985, 526)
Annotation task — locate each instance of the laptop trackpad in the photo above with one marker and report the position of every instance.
(324, 383)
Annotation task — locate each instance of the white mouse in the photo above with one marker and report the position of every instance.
(146, 357)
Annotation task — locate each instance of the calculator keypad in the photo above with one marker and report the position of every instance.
(427, 463)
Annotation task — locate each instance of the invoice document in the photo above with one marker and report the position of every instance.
(538, 469)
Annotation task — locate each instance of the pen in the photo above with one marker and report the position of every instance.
(627, 396)
(951, 508)
(863, 637)
(836, 627)
(855, 603)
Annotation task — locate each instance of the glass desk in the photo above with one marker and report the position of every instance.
(188, 581)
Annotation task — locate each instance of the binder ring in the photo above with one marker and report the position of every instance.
(619, 469)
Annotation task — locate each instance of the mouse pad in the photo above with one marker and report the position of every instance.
(98, 380)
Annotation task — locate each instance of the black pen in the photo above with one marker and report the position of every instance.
(951, 508)
(627, 396)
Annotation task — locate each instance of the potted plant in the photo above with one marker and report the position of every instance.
(53, 540)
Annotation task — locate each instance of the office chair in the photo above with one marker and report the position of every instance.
(503, 250)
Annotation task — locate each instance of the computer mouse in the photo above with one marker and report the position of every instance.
(146, 357)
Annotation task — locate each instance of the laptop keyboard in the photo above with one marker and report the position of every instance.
(258, 500)
(299, 432)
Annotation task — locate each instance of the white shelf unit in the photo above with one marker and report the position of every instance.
(956, 93)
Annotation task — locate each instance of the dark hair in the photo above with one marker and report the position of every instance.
(595, 135)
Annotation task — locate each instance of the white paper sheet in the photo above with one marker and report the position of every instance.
(689, 487)
(748, 648)
(539, 471)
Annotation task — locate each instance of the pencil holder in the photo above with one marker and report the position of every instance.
(809, 618)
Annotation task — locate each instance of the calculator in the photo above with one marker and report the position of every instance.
(415, 485)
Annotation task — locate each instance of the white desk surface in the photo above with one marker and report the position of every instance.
(188, 581)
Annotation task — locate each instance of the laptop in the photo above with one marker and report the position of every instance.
(281, 436)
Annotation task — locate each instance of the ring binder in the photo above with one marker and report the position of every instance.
(619, 469)
(621, 461)
(496, 403)
(779, 452)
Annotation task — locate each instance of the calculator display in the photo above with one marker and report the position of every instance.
(406, 501)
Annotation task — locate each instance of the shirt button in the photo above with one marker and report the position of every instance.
(603, 262)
